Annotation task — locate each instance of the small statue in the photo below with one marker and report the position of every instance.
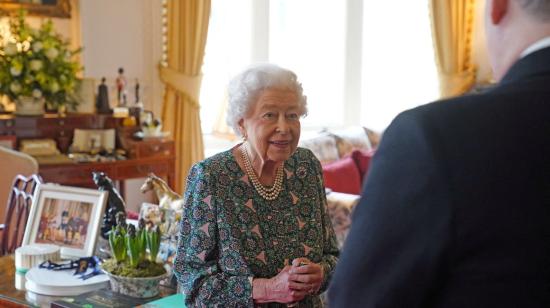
(102, 101)
(137, 92)
(168, 199)
(115, 204)
(121, 88)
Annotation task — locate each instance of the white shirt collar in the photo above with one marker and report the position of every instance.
(538, 45)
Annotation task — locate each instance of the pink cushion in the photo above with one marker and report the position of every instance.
(362, 159)
(342, 176)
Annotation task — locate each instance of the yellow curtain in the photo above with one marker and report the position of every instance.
(187, 31)
(452, 31)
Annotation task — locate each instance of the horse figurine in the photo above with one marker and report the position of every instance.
(115, 203)
(168, 199)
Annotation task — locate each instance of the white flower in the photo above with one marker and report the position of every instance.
(37, 46)
(52, 53)
(10, 49)
(15, 87)
(54, 87)
(15, 71)
(36, 93)
(35, 65)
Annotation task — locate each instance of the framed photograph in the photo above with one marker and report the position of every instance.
(65, 216)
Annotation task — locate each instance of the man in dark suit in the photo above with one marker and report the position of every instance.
(456, 207)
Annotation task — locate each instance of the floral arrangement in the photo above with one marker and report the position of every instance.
(134, 250)
(37, 63)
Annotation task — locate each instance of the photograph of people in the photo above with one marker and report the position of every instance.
(64, 223)
(255, 230)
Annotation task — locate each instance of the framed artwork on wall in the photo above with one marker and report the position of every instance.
(48, 8)
(65, 216)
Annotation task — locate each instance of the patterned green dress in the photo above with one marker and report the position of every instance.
(229, 233)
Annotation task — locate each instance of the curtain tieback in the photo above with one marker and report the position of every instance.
(188, 85)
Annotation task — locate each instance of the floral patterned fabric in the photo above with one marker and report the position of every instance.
(230, 234)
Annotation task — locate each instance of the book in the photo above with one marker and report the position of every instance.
(103, 298)
(172, 301)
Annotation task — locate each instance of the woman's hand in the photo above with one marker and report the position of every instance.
(277, 289)
(306, 276)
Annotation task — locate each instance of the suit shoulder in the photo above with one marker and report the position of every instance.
(454, 113)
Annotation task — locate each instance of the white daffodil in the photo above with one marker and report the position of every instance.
(35, 65)
(54, 87)
(37, 46)
(15, 71)
(10, 49)
(36, 93)
(15, 87)
(52, 53)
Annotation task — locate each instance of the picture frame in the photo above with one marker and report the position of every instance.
(46, 8)
(86, 140)
(68, 217)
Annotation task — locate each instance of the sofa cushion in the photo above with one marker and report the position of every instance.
(323, 147)
(342, 176)
(351, 138)
(362, 159)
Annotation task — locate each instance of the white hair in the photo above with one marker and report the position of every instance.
(245, 88)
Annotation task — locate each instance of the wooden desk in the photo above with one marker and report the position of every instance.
(80, 174)
(155, 155)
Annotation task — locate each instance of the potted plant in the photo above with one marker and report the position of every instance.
(36, 66)
(133, 269)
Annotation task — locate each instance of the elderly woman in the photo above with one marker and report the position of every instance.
(255, 231)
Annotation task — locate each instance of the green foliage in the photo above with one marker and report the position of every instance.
(130, 246)
(144, 268)
(116, 241)
(37, 63)
(153, 243)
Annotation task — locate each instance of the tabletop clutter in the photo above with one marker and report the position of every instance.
(133, 260)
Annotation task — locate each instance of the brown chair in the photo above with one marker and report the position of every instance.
(17, 211)
(13, 163)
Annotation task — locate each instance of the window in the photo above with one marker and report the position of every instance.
(360, 62)
(399, 69)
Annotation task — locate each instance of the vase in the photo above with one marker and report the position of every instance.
(29, 106)
(139, 287)
(62, 111)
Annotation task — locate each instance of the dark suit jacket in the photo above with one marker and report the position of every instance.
(456, 207)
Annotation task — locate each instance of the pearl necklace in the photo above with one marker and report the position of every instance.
(268, 193)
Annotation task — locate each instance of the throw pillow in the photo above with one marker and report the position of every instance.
(350, 139)
(362, 159)
(342, 176)
(323, 147)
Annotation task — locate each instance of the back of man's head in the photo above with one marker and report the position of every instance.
(512, 26)
(540, 9)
